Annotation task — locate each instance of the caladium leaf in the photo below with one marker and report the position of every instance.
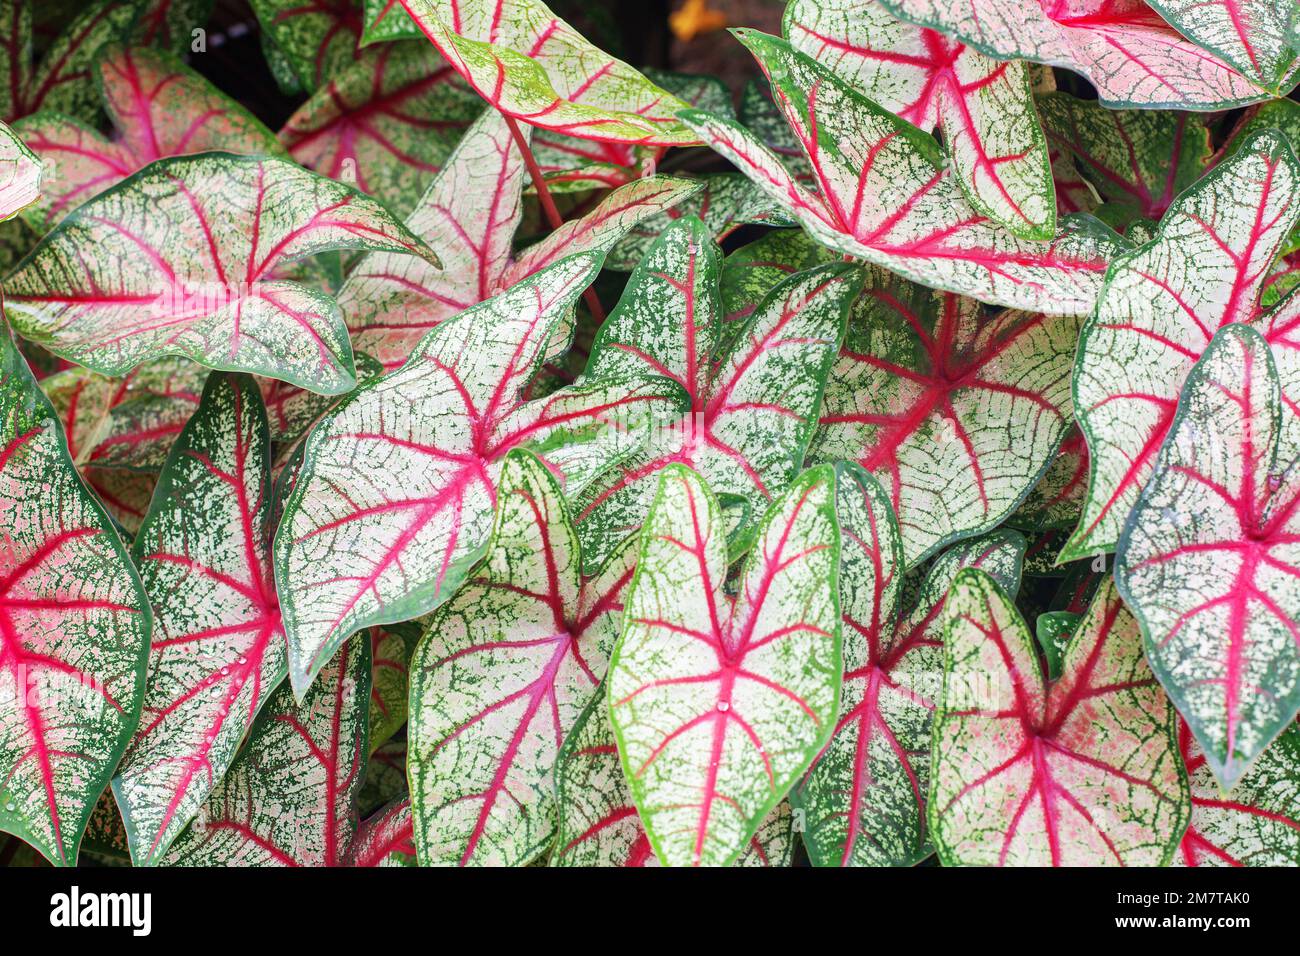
(170, 24)
(1131, 55)
(177, 260)
(751, 393)
(387, 123)
(1055, 502)
(289, 798)
(1257, 823)
(863, 799)
(318, 38)
(984, 107)
(719, 706)
(20, 174)
(385, 776)
(1054, 630)
(74, 629)
(534, 67)
(1253, 37)
(408, 464)
(1083, 771)
(159, 107)
(1211, 553)
(957, 414)
(885, 194)
(124, 494)
(761, 116)
(598, 821)
(753, 270)
(391, 648)
(1161, 305)
(502, 674)
(385, 839)
(1137, 160)
(469, 217)
(218, 647)
(387, 20)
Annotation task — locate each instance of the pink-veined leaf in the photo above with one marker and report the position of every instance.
(751, 392)
(385, 775)
(124, 494)
(394, 499)
(318, 38)
(290, 796)
(957, 414)
(764, 119)
(159, 107)
(387, 20)
(753, 270)
(218, 644)
(1055, 502)
(170, 24)
(177, 260)
(1254, 36)
(501, 675)
(1157, 313)
(884, 193)
(385, 838)
(598, 823)
(1137, 160)
(1132, 56)
(387, 123)
(1210, 557)
(20, 175)
(983, 107)
(1257, 824)
(292, 411)
(129, 422)
(74, 629)
(720, 705)
(391, 647)
(863, 798)
(1082, 771)
(536, 68)
(469, 217)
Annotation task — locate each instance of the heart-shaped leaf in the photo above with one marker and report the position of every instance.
(863, 799)
(1210, 557)
(407, 464)
(159, 107)
(752, 392)
(1257, 823)
(957, 414)
(1161, 306)
(1080, 772)
(74, 628)
(290, 797)
(218, 647)
(318, 39)
(1253, 37)
(386, 123)
(502, 674)
(1131, 55)
(178, 259)
(20, 175)
(885, 194)
(984, 107)
(719, 706)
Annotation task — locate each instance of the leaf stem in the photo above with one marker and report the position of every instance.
(548, 206)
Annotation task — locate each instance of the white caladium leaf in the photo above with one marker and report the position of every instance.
(317, 40)
(74, 629)
(1083, 771)
(387, 123)
(391, 647)
(751, 392)
(598, 823)
(469, 217)
(1131, 55)
(178, 259)
(290, 797)
(719, 706)
(863, 800)
(20, 174)
(984, 107)
(502, 674)
(884, 193)
(534, 67)
(385, 838)
(158, 106)
(129, 422)
(1258, 823)
(1138, 161)
(394, 499)
(1210, 557)
(957, 414)
(1254, 37)
(1160, 307)
(218, 646)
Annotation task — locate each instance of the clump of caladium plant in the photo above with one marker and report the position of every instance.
(479, 470)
